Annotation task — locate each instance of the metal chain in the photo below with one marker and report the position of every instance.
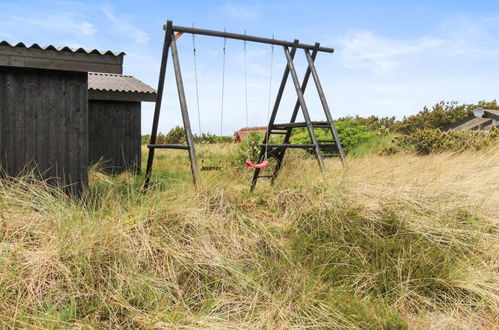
(270, 93)
(196, 78)
(223, 86)
(246, 82)
(270, 80)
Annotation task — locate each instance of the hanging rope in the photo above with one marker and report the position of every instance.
(196, 78)
(223, 86)
(270, 80)
(246, 81)
(265, 162)
(270, 94)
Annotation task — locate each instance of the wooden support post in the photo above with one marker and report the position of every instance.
(159, 98)
(280, 156)
(325, 106)
(273, 116)
(304, 108)
(185, 113)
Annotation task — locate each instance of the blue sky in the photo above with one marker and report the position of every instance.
(392, 57)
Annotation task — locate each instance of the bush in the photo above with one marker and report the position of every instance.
(441, 115)
(248, 149)
(145, 139)
(380, 125)
(426, 141)
(209, 138)
(174, 136)
(351, 134)
(357, 130)
(177, 136)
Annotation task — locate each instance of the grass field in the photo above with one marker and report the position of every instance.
(386, 242)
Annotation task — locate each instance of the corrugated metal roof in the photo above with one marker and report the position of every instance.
(110, 82)
(61, 49)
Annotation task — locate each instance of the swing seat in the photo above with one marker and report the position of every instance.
(263, 164)
(211, 168)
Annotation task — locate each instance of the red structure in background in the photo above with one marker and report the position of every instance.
(243, 132)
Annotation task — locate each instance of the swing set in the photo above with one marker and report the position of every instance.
(267, 149)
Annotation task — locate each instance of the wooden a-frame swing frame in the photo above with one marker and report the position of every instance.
(276, 151)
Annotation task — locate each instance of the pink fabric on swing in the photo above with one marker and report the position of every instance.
(263, 164)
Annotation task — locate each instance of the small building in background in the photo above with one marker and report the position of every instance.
(44, 110)
(240, 135)
(481, 120)
(114, 120)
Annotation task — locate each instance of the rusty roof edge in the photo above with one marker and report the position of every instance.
(111, 74)
(120, 90)
(102, 95)
(61, 49)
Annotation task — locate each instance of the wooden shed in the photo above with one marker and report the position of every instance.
(114, 120)
(44, 110)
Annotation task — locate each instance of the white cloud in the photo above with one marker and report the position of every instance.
(123, 24)
(243, 11)
(382, 54)
(66, 22)
(87, 28)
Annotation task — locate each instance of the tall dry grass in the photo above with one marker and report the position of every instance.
(387, 242)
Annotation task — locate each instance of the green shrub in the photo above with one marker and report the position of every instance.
(380, 125)
(351, 133)
(441, 115)
(145, 139)
(177, 136)
(426, 141)
(174, 136)
(248, 149)
(209, 138)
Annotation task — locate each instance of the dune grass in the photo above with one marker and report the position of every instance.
(386, 242)
(373, 146)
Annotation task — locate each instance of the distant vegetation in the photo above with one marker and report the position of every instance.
(441, 115)
(426, 141)
(177, 136)
(420, 133)
(351, 131)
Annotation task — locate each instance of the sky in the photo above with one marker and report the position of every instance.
(391, 58)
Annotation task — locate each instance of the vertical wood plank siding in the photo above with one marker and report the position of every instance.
(43, 124)
(114, 135)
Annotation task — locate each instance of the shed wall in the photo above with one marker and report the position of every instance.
(114, 135)
(43, 124)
